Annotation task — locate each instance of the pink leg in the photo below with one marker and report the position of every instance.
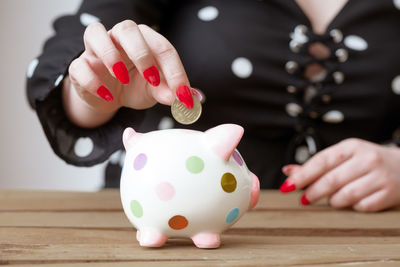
(255, 191)
(138, 235)
(207, 240)
(151, 238)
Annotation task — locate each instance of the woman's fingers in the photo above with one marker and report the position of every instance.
(129, 37)
(356, 190)
(146, 50)
(323, 162)
(98, 42)
(85, 79)
(377, 201)
(335, 179)
(170, 64)
(289, 169)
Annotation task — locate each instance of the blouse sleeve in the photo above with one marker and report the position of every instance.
(75, 145)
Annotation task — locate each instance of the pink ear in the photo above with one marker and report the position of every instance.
(129, 137)
(224, 138)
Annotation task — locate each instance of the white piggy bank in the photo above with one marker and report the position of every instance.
(184, 183)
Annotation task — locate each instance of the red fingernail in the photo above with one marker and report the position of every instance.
(121, 72)
(105, 94)
(304, 201)
(287, 186)
(184, 95)
(152, 75)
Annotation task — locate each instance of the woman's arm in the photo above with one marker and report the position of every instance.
(44, 85)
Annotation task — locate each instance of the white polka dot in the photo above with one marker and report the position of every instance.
(302, 154)
(333, 116)
(58, 80)
(118, 157)
(242, 67)
(114, 158)
(31, 67)
(311, 145)
(122, 158)
(396, 85)
(166, 123)
(293, 109)
(208, 13)
(83, 147)
(355, 42)
(87, 19)
(396, 3)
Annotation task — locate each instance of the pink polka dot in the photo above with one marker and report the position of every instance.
(165, 191)
(140, 161)
(237, 158)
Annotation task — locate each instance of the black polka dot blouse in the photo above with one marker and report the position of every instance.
(254, 61)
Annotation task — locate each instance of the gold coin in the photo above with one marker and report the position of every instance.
(184, 115)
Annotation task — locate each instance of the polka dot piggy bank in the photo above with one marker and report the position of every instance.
(183, 183)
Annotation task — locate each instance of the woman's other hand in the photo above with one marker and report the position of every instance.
(353, 173)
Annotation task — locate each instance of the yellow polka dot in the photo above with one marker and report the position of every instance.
(228, 182)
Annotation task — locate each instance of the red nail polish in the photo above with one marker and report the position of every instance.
(185, 96)
(304, 201)
(152, 75)
(121, 72)
(105, 94)
(287, 186)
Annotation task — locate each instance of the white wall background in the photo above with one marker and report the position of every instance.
(26, 159)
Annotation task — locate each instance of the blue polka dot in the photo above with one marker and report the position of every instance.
(232, 215)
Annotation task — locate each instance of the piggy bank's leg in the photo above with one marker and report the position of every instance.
(207, 240)
(255, 191)
(138, 235)
(151, 238)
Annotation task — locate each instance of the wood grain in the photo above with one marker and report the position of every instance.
(86, 229)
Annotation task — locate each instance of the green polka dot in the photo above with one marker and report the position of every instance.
(194, 164)
(228, 182)
(136, 208)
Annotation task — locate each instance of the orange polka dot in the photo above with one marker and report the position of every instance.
(178, 222)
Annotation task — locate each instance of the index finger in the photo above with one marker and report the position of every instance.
(170, 64)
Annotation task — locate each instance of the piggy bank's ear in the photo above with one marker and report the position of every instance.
(129, 137)
(224, 138)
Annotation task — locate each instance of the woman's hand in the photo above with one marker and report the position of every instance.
(354, 172)
(120, 68)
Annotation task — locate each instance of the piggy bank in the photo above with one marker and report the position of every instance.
(185, 184)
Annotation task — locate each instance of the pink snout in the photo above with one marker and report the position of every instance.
(255, 191)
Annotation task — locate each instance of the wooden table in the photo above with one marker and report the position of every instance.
(85, 229)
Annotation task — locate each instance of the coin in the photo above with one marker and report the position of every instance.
(184, 115)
